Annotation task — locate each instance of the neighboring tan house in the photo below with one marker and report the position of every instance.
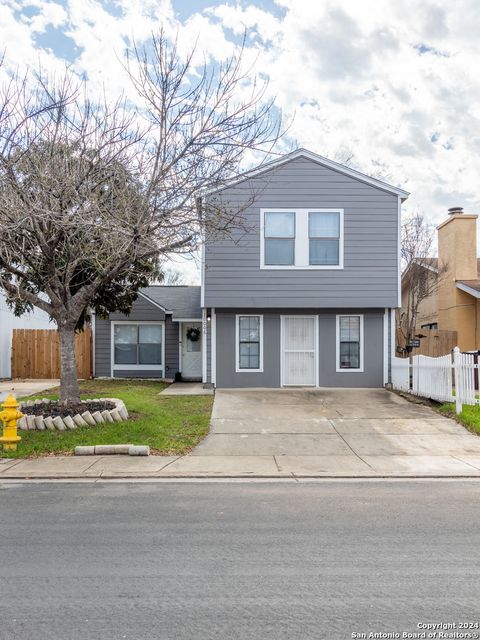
(303, 295)
(453, 306)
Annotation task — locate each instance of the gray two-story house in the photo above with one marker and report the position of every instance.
(302, 293)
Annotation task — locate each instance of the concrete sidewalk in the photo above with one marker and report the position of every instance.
(353, 433)
(21, 388)
(262, 466)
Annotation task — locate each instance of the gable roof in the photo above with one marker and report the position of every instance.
(432, 263)
(183, 302)
(314, 157)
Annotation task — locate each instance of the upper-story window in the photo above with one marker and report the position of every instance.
(280, 237)
(301, 239)
(324, 237)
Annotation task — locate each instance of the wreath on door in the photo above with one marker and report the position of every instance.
(193, 334)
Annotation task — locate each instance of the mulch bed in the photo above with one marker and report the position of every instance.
(54, 410)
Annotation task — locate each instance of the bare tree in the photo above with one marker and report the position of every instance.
(421, 276)
(91, 200)
(172, 277)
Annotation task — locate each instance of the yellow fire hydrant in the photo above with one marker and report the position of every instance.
(9, 417)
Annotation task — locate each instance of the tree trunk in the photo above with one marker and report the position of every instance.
(69, 389)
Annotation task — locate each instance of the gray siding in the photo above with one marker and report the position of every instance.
(372, 376)
(102, 348)
(171, 347)
(142, 310)
(226, 375)
(233, 277)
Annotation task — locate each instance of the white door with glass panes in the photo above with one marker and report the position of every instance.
(192, 349)
(299, 350)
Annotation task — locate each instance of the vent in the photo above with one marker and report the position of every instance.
(455, 210)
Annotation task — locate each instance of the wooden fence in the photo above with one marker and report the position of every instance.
(436, 343)
(36, 353)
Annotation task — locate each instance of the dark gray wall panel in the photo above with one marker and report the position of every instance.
(171, 347)
(102, 348)
(233, 277)
(154, 373)
(372, 376)
(142, 311)
(226, 375)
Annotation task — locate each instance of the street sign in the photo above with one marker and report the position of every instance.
(414, 342)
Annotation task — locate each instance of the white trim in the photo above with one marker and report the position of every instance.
(135, 367)
(302, 239)
(385, 347)
(155, 304)
(93, 343)
(204, 346)
(237, 343)
(282, 349)
(282, 332)
(180, 346)
(315, 157)
(467, 289)
(393, 334)
(213, 340)
(425, 265)
(202, 275)
(186, 319)
(337, 342)
(399, 253)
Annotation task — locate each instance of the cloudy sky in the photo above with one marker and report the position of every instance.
(394, 83)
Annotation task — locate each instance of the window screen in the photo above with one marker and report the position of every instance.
(249, 342)
(138, 344)
(324, 237)
(349, 342)
(280, 238)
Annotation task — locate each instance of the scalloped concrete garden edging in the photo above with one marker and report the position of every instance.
(29, 421)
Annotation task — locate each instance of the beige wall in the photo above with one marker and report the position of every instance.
(457, 248)
(453, 309)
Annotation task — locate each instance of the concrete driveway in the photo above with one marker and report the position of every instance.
(344, 432)
(21, 388)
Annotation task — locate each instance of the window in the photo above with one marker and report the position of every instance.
(137, 345)
(249, 339)
(324, 237)
(301, 239)
(280, 238)
(350, 343)
(433, 326)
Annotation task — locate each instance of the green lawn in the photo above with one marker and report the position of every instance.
(170, 424)
(469, 417)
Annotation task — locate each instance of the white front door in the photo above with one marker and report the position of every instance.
(191, 350)
(299, 350)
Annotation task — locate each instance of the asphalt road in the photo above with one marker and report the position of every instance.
(236, 561)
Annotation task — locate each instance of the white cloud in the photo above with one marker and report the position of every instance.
(396, 82)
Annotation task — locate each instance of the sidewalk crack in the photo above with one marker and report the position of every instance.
(465, 462)
(171, 462)
(350, 447)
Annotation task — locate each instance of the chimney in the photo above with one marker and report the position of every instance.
(457, 244)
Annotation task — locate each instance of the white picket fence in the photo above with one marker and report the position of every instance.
(449, 378)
